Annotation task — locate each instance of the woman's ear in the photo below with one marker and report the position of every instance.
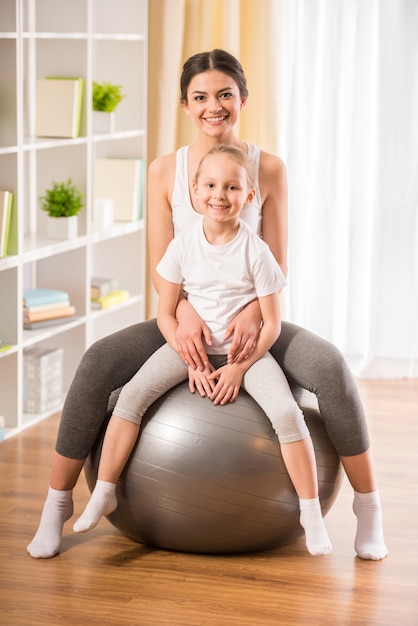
(243, 102)
(184, 105)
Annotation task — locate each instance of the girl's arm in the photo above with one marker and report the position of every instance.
(270, 329)
(166, 312)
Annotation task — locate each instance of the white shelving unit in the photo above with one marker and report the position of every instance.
(96, 40)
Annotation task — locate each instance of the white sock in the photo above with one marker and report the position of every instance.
(102, 502)
(369, 542)
(317, 540)
(58, 508)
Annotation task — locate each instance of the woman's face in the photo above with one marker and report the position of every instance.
(214, 102)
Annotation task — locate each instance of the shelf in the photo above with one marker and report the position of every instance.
(54, 36)
(9, 352)
(96, 40)
(32, 337)
(40, 143)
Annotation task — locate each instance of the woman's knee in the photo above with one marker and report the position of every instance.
(134, 344)
(309, 360)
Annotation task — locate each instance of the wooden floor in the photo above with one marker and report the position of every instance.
(103, 578)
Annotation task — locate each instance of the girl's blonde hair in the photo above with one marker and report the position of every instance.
(235, 153)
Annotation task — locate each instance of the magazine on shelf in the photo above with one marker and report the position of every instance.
(49, 314)
(45, 323)
(46, 307)
(123, 181)
(111, 299)
(38, 296)
(58, 106)
(101, 287)
(6, 204)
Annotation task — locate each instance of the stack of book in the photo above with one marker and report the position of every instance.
(104, 293)
(42, 379)
(46, 307)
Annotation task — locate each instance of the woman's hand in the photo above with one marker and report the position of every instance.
(199, 381)
(191, 328)
(244, 328)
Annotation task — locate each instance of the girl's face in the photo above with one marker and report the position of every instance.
(213, 102)
(222, 188)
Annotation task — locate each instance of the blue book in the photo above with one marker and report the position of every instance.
(32, 297)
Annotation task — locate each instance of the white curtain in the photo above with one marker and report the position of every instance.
(350, 141)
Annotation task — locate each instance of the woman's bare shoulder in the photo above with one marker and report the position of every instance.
(163, 165)
(269, 161)
(272, 174)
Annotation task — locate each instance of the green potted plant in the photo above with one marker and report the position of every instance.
(106, 97)
(62, 202)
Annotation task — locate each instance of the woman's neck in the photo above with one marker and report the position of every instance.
(204, 144)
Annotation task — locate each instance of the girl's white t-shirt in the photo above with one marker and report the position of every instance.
(221, 280)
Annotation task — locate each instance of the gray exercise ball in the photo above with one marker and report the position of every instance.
(211, 479)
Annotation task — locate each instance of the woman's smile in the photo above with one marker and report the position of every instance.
(219, 119)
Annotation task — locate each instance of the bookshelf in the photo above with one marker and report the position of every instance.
(93, 40)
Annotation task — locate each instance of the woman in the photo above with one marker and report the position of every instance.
(213, 93)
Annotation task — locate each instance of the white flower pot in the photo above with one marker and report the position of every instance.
(104, 122)
(62, 227)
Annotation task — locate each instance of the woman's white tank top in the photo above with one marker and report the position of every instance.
(181, 205)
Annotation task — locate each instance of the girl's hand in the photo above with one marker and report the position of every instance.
(228, 383)
(199, 380)
(245, 328)
(191, 328)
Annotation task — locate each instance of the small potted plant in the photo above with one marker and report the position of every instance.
(62, 202)
(106, 97)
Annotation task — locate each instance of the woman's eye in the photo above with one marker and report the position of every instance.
(226, 95)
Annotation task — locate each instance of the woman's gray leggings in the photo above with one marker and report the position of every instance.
(307, 361)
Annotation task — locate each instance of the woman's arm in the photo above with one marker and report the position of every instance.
(273, 188)
(229, 377)
(167, 323)
(191, 327)
(159, 218)
(272, 178)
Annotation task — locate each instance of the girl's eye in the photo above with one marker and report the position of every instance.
(226, 94)
(199, 98)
